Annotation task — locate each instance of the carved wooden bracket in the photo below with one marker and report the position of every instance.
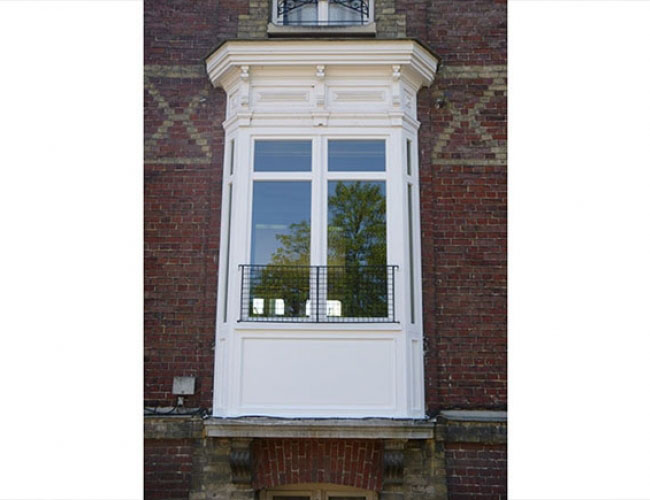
(241, 461)
(394, 461)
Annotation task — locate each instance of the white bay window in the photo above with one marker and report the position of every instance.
(319, 300)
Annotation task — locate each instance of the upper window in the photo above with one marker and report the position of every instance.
(321, 12)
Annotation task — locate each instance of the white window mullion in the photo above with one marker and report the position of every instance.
(395, 231)
(316, 242)
(323, 10)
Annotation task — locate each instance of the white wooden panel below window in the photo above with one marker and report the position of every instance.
(318, 374)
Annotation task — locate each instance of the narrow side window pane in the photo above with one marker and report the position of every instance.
(227, 268)
(411, 260)
(357, 278)
(282, 156)
(232, 156)
(356, 156)
(408, 156)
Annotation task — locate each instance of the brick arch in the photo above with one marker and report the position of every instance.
(345, 462)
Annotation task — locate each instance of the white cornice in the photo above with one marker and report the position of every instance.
(358, 53)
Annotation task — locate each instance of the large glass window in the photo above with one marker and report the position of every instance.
(346, 273)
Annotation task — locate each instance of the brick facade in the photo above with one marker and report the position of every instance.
(167, 468)
(475, 470)
(463, 216)
(345, 462)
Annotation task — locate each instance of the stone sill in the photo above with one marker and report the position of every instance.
(276, 30)
(474, 416)
(452, 426)
(268, 427)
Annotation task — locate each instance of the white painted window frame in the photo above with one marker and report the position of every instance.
(319, 177)
(396, 178)
(305, 88)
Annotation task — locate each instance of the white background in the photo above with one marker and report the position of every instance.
(71, 251)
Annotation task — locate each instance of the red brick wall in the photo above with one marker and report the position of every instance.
(463, 201)
(167, 468)
(181, 223)
(351, 462)
(463, 192)
(182, 194)
(476, 471)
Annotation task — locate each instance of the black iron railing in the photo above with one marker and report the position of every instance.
(360, 7)
(318, 294)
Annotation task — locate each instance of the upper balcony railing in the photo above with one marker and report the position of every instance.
(322, 12)
(318, 294)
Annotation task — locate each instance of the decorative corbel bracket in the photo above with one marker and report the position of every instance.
(241, 461)
(395, 90)
(320, 87)
(394, 461)
(244, 75)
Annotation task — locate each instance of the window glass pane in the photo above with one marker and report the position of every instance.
(356, 156)
(340, 14)
(408, 156)
(277, 284)
(411, 260)
(232, 155)
(225, 300)
(305, 14)
(357, 279)
(281, 223)
(282, 156)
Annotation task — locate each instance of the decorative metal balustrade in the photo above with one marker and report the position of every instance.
(318, 294)
(287, 10)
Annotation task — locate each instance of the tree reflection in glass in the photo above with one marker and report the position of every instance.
(281, 236)
(356, 241)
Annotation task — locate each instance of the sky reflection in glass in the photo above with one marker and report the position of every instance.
(281, 222)
(282, 156)
(356, 156)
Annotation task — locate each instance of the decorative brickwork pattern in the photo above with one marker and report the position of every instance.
(464, 228)
(463, 191)
(352, 462)
(476, 471)
(390, 23)
(183, 154)
(167, 468)
(176, 127)
(253, 23)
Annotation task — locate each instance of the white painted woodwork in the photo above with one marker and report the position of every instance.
(320, 90)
